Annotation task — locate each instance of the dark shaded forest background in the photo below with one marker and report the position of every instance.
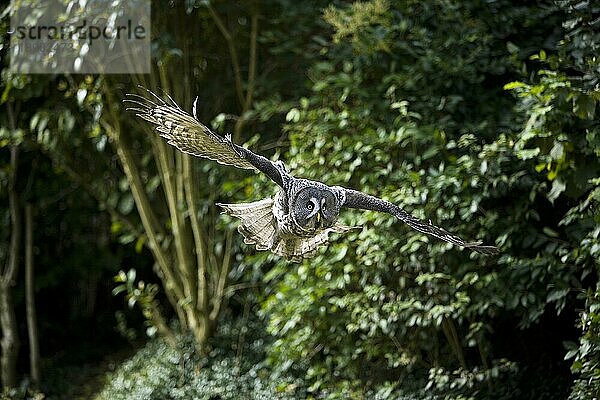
(479, 115)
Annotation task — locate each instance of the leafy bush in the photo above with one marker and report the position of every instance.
(233, 368)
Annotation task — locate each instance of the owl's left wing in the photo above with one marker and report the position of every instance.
(190, 136)
(359, 200)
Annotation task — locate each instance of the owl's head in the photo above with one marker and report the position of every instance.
(315, 208)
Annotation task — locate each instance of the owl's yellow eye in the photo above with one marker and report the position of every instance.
(310, 206)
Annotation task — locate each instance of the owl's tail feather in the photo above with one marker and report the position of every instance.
(296, 249)
(258, 225)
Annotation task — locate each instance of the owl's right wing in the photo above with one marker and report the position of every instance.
(187, 134)
(359, 200)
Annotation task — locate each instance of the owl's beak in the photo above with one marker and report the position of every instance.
(318, 217)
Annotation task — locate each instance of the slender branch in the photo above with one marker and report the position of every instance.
(161, 325)
(32, 331)
(10, 273)
(214, 273)
(8, 320)
(169, 165)
(231, 289)
(242, 337)
(179, 182)
(452, 336)
(170, 173)
(183, 214)
(171, 297)
(252, 60)
(190, 192)
(177, 227)
(486, 366)
(223, 274)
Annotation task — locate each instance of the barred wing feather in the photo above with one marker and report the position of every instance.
(185, 132)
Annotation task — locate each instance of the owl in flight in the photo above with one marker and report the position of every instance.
(302, 214)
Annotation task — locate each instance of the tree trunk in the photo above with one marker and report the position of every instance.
(34, 349)
(8, 320)
(10, 338)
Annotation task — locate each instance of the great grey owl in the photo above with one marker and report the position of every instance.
(304, 212)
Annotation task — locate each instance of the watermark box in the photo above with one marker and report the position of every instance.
(80, 36)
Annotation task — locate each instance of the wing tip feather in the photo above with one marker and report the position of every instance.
(487, 250)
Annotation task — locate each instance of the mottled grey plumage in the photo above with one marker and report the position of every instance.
(300, 218)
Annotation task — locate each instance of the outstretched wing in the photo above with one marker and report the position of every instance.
(186, 133)
(356, 199)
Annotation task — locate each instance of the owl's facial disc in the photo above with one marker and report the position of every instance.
(315, 208)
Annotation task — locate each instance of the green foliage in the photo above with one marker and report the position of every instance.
(561, 105)
(587, 355)
(232, 369)
(481, 116)
(363, 22)
(559, 101)
(142, 294)
(425, 124)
